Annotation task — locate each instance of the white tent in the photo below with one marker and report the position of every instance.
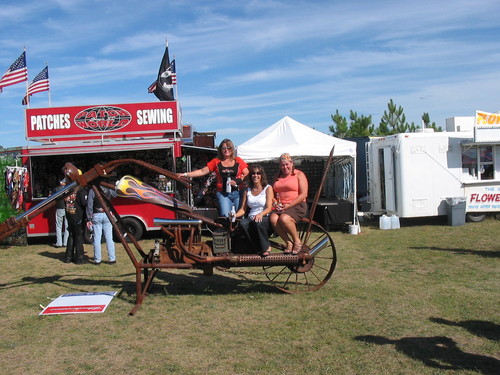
(288, 135)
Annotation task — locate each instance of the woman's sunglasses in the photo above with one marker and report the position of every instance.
(256, 173)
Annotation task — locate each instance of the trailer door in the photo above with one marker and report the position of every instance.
(387, 187)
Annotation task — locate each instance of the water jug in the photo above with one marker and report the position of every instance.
(394, 222)
(385, 222)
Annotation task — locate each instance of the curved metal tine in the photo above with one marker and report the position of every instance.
(112, 165)
(318, 194)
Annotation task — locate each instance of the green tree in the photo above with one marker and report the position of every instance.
(361, 126)
(393, 121)
(427, 123)
(340, 129)
(6, 209)
(358, 127)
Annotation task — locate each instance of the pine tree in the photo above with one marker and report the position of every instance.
(340, 129)
(361, 126)
(393, 121)
(427, 123)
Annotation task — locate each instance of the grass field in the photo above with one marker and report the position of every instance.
(423, 299)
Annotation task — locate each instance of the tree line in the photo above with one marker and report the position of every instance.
(393, 121)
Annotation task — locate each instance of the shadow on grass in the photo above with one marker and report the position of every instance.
(197, 283)
(65, 280)
(191, 283)
(481, 328)
(438, 352)
(486, 253)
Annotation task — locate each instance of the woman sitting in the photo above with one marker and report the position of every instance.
(290, 188)
(257, 203)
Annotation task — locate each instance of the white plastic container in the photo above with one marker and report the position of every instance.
(385, 222)
(353, 229)
(233, 214)
(394, 222)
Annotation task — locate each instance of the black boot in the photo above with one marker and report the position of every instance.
(80, 258)
(68, 256)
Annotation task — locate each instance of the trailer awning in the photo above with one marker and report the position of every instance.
(65, 148)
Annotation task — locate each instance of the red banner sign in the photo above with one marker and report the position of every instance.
(103, 121)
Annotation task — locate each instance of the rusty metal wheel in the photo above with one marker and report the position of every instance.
(315, 273)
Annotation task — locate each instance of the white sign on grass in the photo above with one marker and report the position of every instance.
(79, 303)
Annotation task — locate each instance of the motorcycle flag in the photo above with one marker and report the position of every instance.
(163, 86)
(173, 75)
(40, 83)
(18, 72)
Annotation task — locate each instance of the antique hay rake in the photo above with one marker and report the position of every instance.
(182, 247)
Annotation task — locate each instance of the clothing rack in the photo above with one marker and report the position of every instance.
(16, 185)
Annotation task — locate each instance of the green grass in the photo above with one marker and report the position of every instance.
(423, 299)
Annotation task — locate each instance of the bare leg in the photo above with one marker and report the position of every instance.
(278, 227)
(287, 223)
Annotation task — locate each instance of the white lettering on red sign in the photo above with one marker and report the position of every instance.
(486, 197)
(155, 116)
(50, 122)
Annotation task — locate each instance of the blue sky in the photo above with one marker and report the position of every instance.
(243, 65)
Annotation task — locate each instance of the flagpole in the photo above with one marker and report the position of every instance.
(27, 80)
(176, 97)
(48, 91)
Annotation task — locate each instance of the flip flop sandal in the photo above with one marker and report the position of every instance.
(296, 248)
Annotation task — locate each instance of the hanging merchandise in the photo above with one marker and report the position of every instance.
(344, 186)
(16, 185)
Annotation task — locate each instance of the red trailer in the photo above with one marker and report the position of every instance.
(86, 135)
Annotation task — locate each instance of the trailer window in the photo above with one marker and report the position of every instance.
(469, 161)
(478, 162)
(486, 162)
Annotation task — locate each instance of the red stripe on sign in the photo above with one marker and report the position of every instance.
(74, 309)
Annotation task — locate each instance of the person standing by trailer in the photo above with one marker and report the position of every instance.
(75, 203)
(62, 232)
(230, 171)
(99, 222)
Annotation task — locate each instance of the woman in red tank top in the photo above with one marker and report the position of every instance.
(290, 189)
(230, 170)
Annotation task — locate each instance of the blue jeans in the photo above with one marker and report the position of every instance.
(101, 225)
(226, 201)
(61, 222)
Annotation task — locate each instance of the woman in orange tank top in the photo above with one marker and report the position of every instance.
(290, 189)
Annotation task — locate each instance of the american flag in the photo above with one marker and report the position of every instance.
(172, 71)
(40, 83)
(18, 72)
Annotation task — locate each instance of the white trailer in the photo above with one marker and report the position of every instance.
(412, 174)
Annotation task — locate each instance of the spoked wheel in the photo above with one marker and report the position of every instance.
(313, 274)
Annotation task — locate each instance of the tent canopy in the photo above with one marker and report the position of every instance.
(288, 135)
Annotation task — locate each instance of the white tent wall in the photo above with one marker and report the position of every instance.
(310, 149)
